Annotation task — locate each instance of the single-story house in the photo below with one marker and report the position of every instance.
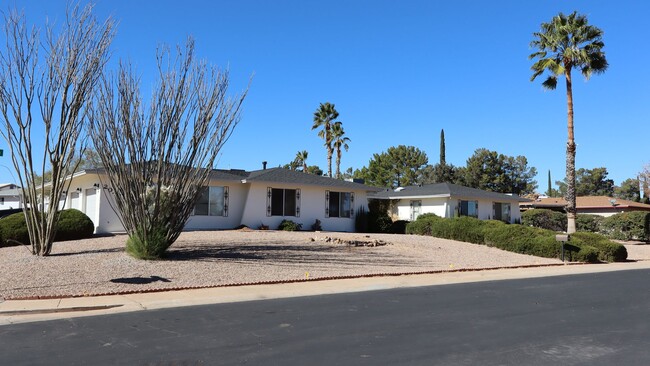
(237, 197)
(450, 200)
(594, 205)
(10, 196)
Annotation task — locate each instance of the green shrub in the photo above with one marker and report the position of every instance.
(590, 223)
(608, 251)
(288, 225)
(422, 225)
(464, 228)
(74, 225)
(544, 219)
(398, 227)
(627, 226)
(13, 229)
(148, 245)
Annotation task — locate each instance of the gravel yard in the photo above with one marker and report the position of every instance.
(217, 258)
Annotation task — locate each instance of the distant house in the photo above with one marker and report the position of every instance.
(237, 197)
(10, 196)
(594, 205)
(450, 200)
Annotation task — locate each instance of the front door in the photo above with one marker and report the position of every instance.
(416, 209)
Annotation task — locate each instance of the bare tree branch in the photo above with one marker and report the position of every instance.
(159, 158)
(60, 83)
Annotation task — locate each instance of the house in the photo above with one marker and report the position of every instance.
(237, 197)
(10, 197)
(593, 205)
(450, 200)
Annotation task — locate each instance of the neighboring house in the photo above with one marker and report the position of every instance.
(10, 196)
(594, 205)
(451, 200)
(238, 197)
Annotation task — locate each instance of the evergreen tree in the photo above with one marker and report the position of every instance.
(443, 160)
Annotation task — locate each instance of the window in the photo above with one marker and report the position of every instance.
(468, 208)
(501, 211)
(416, 209)
(213, 202)
(338, 204)
(282, 202)
(2, 200)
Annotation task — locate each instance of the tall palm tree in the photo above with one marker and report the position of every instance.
(568, 42)
(324, 117)
(339, 141)
(301, 159)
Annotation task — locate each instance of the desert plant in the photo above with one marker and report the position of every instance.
(378, 219)
(288, 225)
(398, 227)
(150, 245)
(316, 226)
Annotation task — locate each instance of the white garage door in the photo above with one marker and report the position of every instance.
(91, 204)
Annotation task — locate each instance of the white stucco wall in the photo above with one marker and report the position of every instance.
(312, 207)
(437, 206)
(10, 202)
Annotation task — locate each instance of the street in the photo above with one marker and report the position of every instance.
(590, 319)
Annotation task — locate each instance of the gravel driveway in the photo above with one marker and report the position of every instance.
(217, 258)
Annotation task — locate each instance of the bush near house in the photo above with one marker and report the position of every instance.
(378, 219)
(73, 225)
(586, 247)
(590, 223)
(627, 226)
(544, 219)
(398, 227)
(288, 225)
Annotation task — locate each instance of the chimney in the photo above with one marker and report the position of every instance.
(264, 165)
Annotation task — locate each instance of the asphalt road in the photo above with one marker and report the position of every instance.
(593, 319)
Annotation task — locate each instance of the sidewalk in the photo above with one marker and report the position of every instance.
(21, 311)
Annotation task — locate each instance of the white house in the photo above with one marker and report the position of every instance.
(10, 197)
(451, 200)
(237, 197)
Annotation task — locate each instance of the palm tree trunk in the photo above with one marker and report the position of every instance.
(330, 151)
(570, 159)
(338, 162)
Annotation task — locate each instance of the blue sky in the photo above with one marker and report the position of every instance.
(399, 72)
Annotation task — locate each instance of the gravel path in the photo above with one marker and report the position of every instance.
(216, 258)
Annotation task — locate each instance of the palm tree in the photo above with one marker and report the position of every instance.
(301, 159)
(324, 117)
(339, 140)
(568, 42)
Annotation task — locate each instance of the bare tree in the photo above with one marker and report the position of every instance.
(52, 87)
(159, 157)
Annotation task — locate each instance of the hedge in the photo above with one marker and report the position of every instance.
(73, 225)
(590, 223)
(545, 219)
(627, 226)
(608, 251)
(516, 238)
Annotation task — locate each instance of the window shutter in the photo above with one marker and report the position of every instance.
(327, 203)
(351, 204)
(269, 193)
(225, 201)
(298, 202)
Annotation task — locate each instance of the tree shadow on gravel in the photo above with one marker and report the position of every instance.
(282, 253)
(94, 251)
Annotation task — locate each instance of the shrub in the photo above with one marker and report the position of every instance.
(149, 245)
(361, 220)
(288, 225)
(378, 219)
(590, 223)
(398, 227)
(608, 251)
(13, 229)
(464, 228)
(74, 225)
(422, 225)
(627, 226)
(545, 219)
(316, 226)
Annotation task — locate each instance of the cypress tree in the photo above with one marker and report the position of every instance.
(442, 147)
(550, 191)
